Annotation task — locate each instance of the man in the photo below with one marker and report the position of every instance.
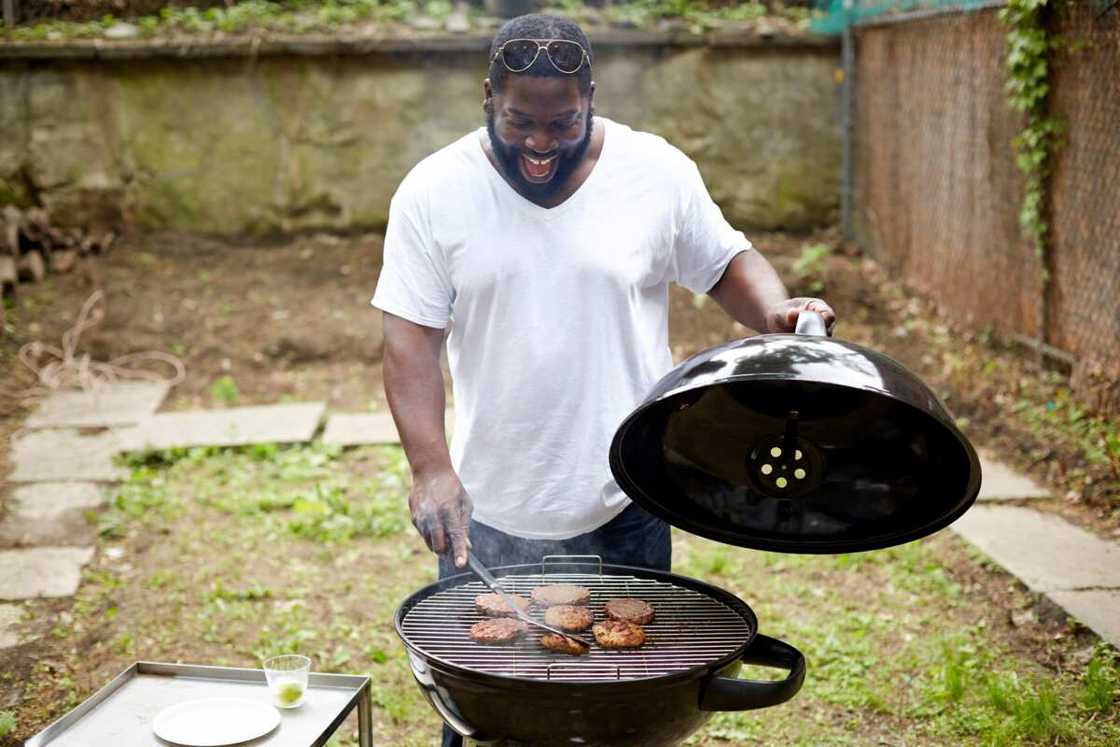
(546, 242)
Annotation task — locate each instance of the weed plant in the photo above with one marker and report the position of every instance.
(311, 16)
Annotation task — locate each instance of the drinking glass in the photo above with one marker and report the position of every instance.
(287, 679)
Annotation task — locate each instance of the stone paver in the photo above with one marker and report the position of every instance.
(57, 454)
(233, 427)
(10, 615)
(1003, 483)
(355, 429)
(51, 513)
(1098, 608)
(42, 571)
(108, 405)
(1043, 550)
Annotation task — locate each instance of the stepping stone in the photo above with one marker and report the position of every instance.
(1003, 483)
(362, 428)
(10, 615)
(355, 429)
(1098, 609)
(108, 405)
(51, 513)
(1044, 551)
(42, 571)
(233, 427)
(59, 455)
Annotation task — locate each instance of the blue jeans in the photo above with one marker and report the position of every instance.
(634, 537)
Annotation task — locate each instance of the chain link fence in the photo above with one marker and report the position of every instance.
(937, 193)
(1085, 204)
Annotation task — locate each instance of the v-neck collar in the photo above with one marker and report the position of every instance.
(527, 205)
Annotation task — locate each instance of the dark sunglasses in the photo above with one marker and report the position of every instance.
(518, 55)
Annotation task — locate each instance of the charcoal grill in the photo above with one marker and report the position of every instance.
(791, 443)
(654, 695)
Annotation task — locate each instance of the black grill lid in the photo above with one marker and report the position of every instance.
(796, 443)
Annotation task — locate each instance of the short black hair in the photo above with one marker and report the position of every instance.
(539, 27)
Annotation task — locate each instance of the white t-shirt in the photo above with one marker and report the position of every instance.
(558, 316)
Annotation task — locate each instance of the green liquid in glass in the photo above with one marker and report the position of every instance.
(289, 693)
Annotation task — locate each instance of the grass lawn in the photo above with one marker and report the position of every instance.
(226, 556)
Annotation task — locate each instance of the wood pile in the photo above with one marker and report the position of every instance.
(30, 246)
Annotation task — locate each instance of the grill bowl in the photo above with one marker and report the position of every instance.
(655, 695)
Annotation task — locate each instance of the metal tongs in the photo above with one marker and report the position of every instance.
(492, 583)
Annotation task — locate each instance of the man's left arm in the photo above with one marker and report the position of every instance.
(751, 292)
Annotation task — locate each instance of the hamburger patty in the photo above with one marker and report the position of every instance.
(563, 645)
(629, 610)
(492, 605)
(555, 594)
(567, 617)
(618, 634)
(497, 630)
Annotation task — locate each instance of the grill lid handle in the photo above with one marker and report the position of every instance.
(731, 694)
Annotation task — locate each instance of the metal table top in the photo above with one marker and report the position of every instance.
(122, 712)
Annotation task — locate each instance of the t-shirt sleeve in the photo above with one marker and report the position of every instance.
(704, 242)
(414, 282)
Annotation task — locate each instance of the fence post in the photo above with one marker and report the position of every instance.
(10, 12)
(847, 51)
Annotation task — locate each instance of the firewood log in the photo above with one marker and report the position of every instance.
(31, 267)
(8, 276)
(37, 219)
(63, 260)
(58, 238)
(9, 231)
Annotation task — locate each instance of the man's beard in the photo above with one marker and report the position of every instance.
(566, 161)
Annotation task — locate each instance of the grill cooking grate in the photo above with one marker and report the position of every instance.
(690, 629)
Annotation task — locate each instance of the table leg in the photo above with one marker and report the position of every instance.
(365, 719)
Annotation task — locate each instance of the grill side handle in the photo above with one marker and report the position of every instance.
(438, 697)
(732, 694)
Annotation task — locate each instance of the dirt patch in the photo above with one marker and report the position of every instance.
(282, 321)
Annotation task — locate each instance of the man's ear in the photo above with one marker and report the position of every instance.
(487, 94)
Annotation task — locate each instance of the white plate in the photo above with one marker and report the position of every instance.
(214, 722)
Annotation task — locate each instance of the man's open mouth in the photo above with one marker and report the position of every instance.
(538, 170)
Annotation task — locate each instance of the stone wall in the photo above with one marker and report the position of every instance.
(254, 144)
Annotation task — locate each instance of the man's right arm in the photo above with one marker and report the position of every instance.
(440, 506)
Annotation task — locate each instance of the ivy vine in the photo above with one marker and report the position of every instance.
(1029, 45)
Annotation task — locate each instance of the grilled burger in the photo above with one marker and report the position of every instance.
(492, 605)
(618, 634)
(563, 645)
(497, 630)
(554, 594)
(629, 610)
(567, 617)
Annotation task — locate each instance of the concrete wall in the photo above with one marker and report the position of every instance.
(233, 144)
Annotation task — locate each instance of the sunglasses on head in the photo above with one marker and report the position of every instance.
(518, 55)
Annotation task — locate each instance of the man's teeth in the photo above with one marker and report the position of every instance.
(538, 168)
